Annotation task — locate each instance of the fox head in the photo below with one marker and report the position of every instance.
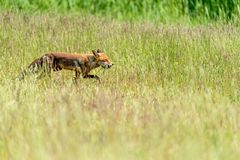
(102, 59)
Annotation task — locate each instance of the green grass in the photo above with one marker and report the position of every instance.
(165, 11)
(173, 92)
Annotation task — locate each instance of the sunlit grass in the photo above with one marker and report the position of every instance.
(172, 94)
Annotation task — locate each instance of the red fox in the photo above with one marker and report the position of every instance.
(80, 63)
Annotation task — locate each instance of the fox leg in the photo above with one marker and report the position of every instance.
(86, 75)
(77, 74)
(47, 66)
(91, 76)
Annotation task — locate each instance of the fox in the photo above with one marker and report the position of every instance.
(81, 64)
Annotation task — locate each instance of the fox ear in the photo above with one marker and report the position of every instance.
(95, 53)
(99, 51)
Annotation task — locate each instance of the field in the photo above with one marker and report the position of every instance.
(173, 92)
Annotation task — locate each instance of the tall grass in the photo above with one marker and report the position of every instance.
(154, 10)
(172, 94)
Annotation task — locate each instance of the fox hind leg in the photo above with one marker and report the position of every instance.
(47, 66)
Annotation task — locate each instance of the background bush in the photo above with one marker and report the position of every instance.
(157, 10)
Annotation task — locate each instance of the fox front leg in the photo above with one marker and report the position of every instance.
(77, 74)
(92, 76)
(86, 75)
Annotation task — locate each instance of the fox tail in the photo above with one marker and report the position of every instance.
(36, 66)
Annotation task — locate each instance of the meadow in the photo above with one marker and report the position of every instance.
(173, 92)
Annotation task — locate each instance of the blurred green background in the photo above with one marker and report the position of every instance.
(153, 10)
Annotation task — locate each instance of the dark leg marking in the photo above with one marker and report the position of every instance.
(91, 76)
(77, 74)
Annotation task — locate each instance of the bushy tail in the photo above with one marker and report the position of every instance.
(36, 66)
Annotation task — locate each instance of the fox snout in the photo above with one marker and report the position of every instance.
(106, 65)
(110, 65)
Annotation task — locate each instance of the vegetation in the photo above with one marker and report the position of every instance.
(155, 10)
(173, 92)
